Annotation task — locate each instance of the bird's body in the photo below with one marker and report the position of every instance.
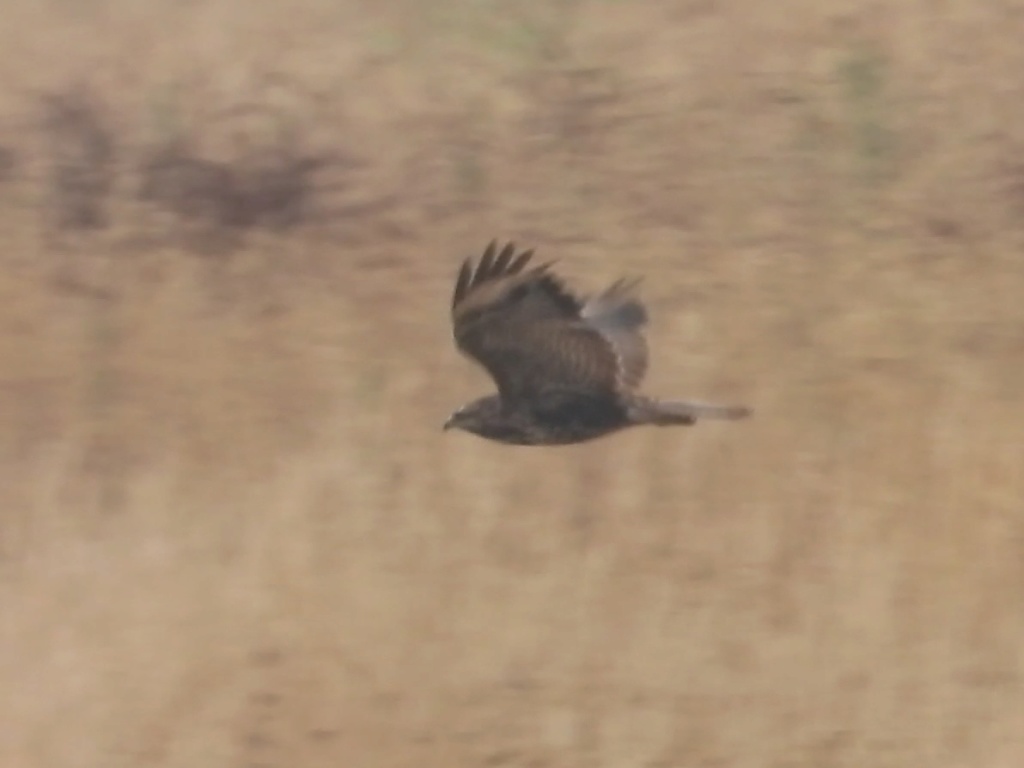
(566, 369)
(553, 419)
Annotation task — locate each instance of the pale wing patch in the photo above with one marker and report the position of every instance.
(620, 317)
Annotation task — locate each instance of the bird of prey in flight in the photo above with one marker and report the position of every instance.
(567, 369)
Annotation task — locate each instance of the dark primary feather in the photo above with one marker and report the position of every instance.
(566, 369)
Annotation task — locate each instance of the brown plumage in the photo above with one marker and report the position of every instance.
(566, 369)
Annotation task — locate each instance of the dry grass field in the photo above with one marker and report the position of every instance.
(232, 532)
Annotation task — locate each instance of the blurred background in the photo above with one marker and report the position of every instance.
(232, 532)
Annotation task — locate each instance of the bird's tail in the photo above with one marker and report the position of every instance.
(665, 413)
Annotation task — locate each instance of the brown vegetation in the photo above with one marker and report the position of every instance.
(233, 532)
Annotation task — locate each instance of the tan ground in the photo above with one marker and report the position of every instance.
(232, 533)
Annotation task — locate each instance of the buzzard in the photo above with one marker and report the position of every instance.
(567, 369)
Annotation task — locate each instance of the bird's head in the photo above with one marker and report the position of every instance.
(465, 418)
(476, 417)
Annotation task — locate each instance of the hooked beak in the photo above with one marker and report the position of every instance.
(455, 420)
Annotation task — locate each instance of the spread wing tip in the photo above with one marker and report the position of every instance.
(492, 264)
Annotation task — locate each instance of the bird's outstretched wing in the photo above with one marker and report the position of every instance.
(533, 336)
